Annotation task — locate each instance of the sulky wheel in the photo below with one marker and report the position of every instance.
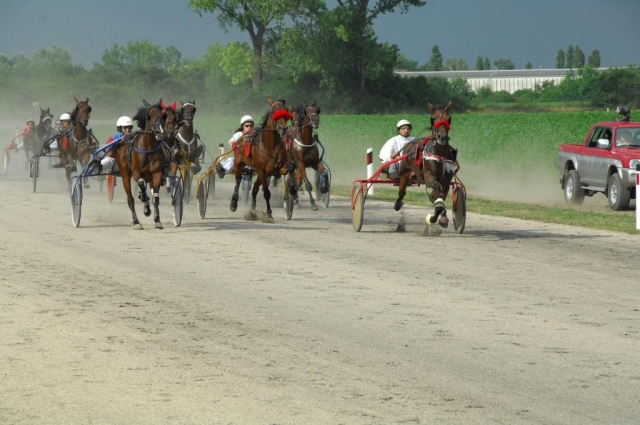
(459, 210)
(357, 211)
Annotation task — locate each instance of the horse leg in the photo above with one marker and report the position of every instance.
(254, 191)
(157, 180)
(438, 202)
(126, 185)
(234, 198)
(402, 190)
(301, 176)
(142, 195)
(262, 178)
(443, 221)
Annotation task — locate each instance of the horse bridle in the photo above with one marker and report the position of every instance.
(86, 110)
(159, 135)
(441, 139)
(281, 130)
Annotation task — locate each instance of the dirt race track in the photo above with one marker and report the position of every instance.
(229, 321)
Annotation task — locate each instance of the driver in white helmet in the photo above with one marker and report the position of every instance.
(124, 125)
(246, 125)
(63, 130)
(393, 146)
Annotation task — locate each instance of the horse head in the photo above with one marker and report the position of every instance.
(187, 112)
(154, 119)
(82, 112)
(440, 123)
(46, 117)
(277, 117)
(171, 120)
(312, 115)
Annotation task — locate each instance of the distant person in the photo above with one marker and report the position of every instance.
(624, 138)
(393, 146)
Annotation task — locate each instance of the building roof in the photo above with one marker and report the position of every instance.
(492, 73)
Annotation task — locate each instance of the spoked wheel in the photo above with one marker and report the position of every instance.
(459, 210)
(176, 201)
(5, 162)
(35, 169)
(324, 197)
(76, 203)
(212, 186)
(288, 198)
(357, 212)
(187, 185)
(203, 193)
(111, 181)
(247, 179)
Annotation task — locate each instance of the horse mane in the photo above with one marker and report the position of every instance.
(300, 111)
(74, 114)
(141, 117)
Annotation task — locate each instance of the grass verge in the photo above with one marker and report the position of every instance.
(613, 221)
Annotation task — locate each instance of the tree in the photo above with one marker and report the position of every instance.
(560, 59)
(578, 57)
(253, 16)
(570, 58)
(404, 64)
(528, 65)
(502, 63)
(435, 61)
(456, 65)
(479, 64)
(594, 59)
(487, 64)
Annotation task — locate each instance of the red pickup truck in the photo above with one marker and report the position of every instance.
(606, 162)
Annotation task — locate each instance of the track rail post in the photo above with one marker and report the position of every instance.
(370, 169)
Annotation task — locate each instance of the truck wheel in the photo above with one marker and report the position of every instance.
(573, 192)
(618, 196)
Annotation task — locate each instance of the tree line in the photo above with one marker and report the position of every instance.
(300, 49)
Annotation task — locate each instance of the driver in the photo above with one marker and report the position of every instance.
(393, 146)
(246, 125)
(124, 125)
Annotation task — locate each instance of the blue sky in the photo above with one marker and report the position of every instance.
(520, 30)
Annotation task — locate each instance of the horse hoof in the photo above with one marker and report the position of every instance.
(159, 225)
(137, 226)
(430, 219)
(314, 207)
(443, 222)
(233, 207)
(398, 205)
(147, 212)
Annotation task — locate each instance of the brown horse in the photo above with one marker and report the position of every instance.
(78, 143)
(433, 162)
(264, 152)
(44, 129)
(141, 157)
(187, 136)
(303, 143)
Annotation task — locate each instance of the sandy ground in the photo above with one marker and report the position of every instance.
(229, 321)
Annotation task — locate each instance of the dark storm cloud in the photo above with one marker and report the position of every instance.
(520, 30)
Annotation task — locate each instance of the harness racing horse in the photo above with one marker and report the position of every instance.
(78, 142)
(303, 143)
(433, 162)
(264, 151)
(187, 136)
(44, 129)
(141, 157)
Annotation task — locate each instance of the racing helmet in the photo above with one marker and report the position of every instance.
(124, 121)
(403, 122)
(31, 121)
(245, 119)
(65, 117)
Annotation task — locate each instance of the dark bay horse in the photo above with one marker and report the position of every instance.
(78, 143)
(186, 135)
(44, 129)
(303, 144)
(432, 161)
(264, 151)
(141, 156)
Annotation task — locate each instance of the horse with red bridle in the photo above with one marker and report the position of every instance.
(264, 152)
(433, 162)
(303, 143)
(141, 156)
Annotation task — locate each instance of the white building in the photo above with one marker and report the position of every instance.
(510, 80)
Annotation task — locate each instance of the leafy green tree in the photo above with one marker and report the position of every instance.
(254, 17)
(528, 65)
(404, 64)
(435, 61)
(456, 65)
(487, 64)
(594, 59)
(502, 63)
(570, 57)
(578, 57)
(479, 64)
(560, 59)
